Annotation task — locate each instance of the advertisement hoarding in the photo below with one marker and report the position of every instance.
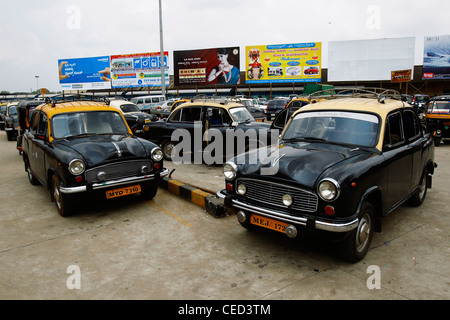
(369, 60)
(285, 63)
(84, 73)
(436, 57)
(138, 70)
(217, 66)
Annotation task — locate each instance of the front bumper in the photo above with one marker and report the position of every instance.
(310, 222)
(114, 183)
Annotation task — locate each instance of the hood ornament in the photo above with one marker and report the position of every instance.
(119, 152)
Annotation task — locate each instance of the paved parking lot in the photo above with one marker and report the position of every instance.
(169, 248)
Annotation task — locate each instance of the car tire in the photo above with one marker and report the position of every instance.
(30, 175)
(419, 196)
(149, 192)
(354, 247)
(62, 201)
(167, 148)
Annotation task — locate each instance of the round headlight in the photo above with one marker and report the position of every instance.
(229, 170)
(76, 167)
(157, 154)
(328, 189)
(241, 189)
(287, 200)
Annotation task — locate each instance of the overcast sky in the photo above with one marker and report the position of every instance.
(35, 34)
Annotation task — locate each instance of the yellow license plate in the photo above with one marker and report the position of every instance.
(148, 120)
(123, 191)
(268, 223)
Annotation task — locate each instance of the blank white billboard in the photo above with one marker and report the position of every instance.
(369, 60)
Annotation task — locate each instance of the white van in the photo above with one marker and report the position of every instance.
(146, 101)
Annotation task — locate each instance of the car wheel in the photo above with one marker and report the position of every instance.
(419, 197)
(149, 192)
(62, 201)
(355, 246)
(30, 175)
(167, 148)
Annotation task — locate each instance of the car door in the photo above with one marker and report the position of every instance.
(39, 140)
(398, 159)
(416, 144)
(217, 122)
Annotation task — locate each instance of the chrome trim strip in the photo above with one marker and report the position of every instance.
(113, 183)
(320, 225)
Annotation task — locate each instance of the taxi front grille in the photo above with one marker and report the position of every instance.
(117, 170)
(271, 193)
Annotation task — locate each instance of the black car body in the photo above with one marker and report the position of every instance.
(437, 117)
(340, 165)
(11, 121)
(274, 106)
(2, 115)
(24, 111)
(85, 148)
(205, 122)
(419, 102)
(133, 115)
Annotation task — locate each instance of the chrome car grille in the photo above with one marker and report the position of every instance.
(116, 171)
(271, 193)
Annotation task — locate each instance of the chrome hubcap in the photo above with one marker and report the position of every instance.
(56, 195)
(363, 233)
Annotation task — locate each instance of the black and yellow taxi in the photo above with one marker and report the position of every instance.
(437, 118)
(82, 148)
(339, 166)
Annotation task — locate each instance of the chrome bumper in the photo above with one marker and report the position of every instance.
(320, 225)
(114, 183)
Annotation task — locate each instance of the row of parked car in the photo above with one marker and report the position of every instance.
(327, 165)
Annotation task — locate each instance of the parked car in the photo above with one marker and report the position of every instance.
(274, 106)
(207, 116)
(85, 148)
(11, 121)
(437, 118)
(146, 101)
(158, 108)
(339, 167)
(312, 70)
(420, 102)
(133, 115)
(24, 111)
(256, 113)
(2, 115)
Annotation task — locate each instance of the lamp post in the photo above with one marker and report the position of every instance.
(163, 71)
(37, 83)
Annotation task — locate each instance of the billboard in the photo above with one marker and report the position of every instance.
(138, 70)
(369, 60)
(436, 57)
(285, 63)
(217, 66)
(84, 73)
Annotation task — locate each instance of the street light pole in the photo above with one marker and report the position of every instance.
(37, 83)
(163, 71)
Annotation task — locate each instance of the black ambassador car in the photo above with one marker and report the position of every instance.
(83, 148)
(133, 115)
(209, 130)
(340, 165)
(11, 121)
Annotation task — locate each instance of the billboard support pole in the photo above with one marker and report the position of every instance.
(163, 72)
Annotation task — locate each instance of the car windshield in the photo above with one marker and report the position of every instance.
(422, 98)
(241, 114)
(92, 122)
(12, 110)
(129, 107)
(439, 107)
(353, 128)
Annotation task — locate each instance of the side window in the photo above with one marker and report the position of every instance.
(280, 120)
(410, 124)
(175, 116)
(394, 133)
(42, 124)
(35, 121)
(218, 117)
(191, 114)
(155, 100)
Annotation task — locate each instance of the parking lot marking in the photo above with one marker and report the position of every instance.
(172, 215)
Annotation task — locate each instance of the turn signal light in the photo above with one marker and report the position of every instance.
(329, 210)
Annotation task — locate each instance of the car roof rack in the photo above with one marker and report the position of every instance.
(71, 98)
(371, 93)
(205, 98)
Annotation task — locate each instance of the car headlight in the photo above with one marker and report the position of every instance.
(229, 170)
(329, 189)
(157, 154)
(76, 167)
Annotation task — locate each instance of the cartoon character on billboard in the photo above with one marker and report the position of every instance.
(224, 73)
(255, 70)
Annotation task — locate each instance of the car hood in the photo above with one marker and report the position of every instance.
(302, 162)
(99, 149)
